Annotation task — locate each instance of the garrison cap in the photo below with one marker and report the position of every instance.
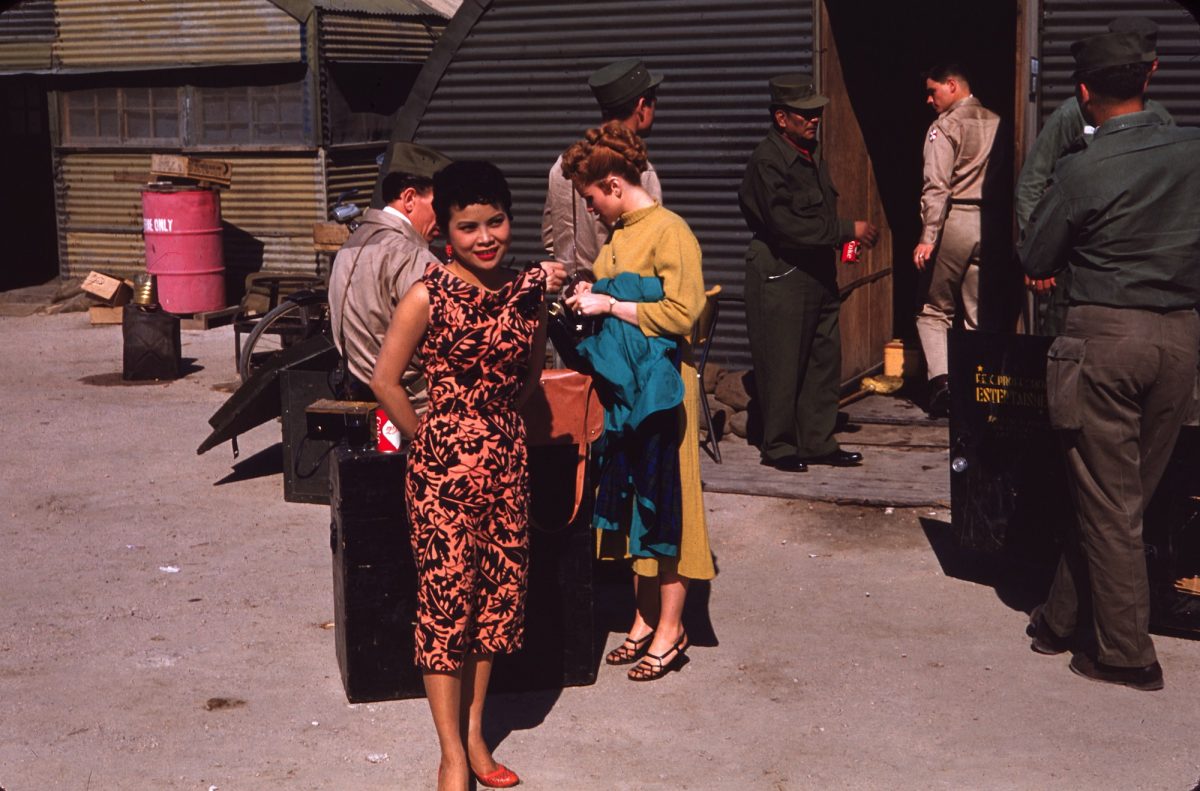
(1107, 49)
(795, 91)
(619, 82)
(412, 159)
(1141, 27)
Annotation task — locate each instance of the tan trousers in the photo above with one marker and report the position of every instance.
(954, 285)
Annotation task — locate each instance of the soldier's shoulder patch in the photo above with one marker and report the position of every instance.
(933, 133)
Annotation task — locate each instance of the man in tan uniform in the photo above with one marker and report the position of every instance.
(957, 149)
(384, 256)
(626, 92)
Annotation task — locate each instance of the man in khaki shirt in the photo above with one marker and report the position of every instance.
(626, 92)
(957, 148)
(377, 265)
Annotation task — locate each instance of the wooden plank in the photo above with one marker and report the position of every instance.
(105, 314)
(216, 171)
(206, 320)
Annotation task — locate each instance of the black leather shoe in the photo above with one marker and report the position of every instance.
(786, 464)
(939, 396)
(1147, 679)
(1045, 641)
(839, 458)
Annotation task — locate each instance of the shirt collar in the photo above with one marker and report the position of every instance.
(792, 152)
(1127, 121)
(397, 213)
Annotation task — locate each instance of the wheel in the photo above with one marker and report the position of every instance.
(299, 317)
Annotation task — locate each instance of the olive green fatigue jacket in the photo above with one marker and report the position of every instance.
(1064, 132)
(1124, 215)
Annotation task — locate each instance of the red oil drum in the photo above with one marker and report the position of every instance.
(182, 226)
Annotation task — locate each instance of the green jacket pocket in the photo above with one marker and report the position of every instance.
(1064, 382)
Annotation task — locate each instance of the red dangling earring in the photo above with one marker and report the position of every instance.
(449, 252)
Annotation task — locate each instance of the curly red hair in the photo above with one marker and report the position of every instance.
(612, 149)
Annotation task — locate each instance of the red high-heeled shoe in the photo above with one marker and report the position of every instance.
(501, 777)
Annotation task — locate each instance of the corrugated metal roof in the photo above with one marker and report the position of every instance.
(508, 82)
(301, 9)
(173, 33)
(26, 20)
(348, 38)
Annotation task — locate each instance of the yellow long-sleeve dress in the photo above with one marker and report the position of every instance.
(656, 242)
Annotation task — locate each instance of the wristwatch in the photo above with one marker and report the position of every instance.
(612, 303)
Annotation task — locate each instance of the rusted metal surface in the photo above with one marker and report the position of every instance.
(26, 36)
(268, 212)
(375, 39)
(173, 33)
(351, 169)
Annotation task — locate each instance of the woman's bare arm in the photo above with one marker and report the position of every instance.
(409, 321)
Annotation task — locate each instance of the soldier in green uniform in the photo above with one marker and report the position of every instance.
(1123, 216)
(792, 299)
(1064, 132)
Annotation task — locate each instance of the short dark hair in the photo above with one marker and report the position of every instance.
(396, 183)
(462, 184)
(944, 71)
(619, 112)
(1116, 83)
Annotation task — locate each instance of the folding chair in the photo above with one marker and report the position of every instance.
(702, 335)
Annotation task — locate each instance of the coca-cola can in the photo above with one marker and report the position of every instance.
(388, 436)
(850, 251)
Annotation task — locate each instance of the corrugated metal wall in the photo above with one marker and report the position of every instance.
(269, 212)
(515, 91)
(26, 36)
(1177, 83)
(351, 38)
(173, 33)
(351, 169)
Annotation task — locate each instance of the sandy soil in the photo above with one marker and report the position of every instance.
(137, 587)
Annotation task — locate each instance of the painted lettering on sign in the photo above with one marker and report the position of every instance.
(157, 224)
(995, 388)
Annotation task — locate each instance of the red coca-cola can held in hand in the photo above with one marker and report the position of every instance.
(850, 251)
(388, 436)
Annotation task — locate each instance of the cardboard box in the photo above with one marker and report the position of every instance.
(330, 236)
(112, 291)
(216, 171)
(105, 314)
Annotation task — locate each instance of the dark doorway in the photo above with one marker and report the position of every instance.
(883, 49)
(27, 215)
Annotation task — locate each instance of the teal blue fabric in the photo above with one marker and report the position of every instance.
(638, 455)
(641, 376)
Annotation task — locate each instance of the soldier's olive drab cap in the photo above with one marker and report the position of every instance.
(1143, 28)
(412, 159)
(795, 91)
(622, 81)
(1105, 50)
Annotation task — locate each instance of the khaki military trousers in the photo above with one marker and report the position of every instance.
(953, 286)
(1119, 384)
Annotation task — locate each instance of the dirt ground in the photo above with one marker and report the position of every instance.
(137, 587)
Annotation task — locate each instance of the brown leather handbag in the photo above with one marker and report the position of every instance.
(565, 410)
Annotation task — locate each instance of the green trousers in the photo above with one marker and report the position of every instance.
(792, 318)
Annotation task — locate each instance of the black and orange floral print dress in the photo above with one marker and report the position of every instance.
(468, 483)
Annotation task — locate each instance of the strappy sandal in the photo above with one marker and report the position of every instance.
(629, 651)
(655, 666)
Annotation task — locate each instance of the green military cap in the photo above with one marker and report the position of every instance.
(1107, 49)
(619, 82)
(1142, 27)
(411, 159)
(795, 91)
